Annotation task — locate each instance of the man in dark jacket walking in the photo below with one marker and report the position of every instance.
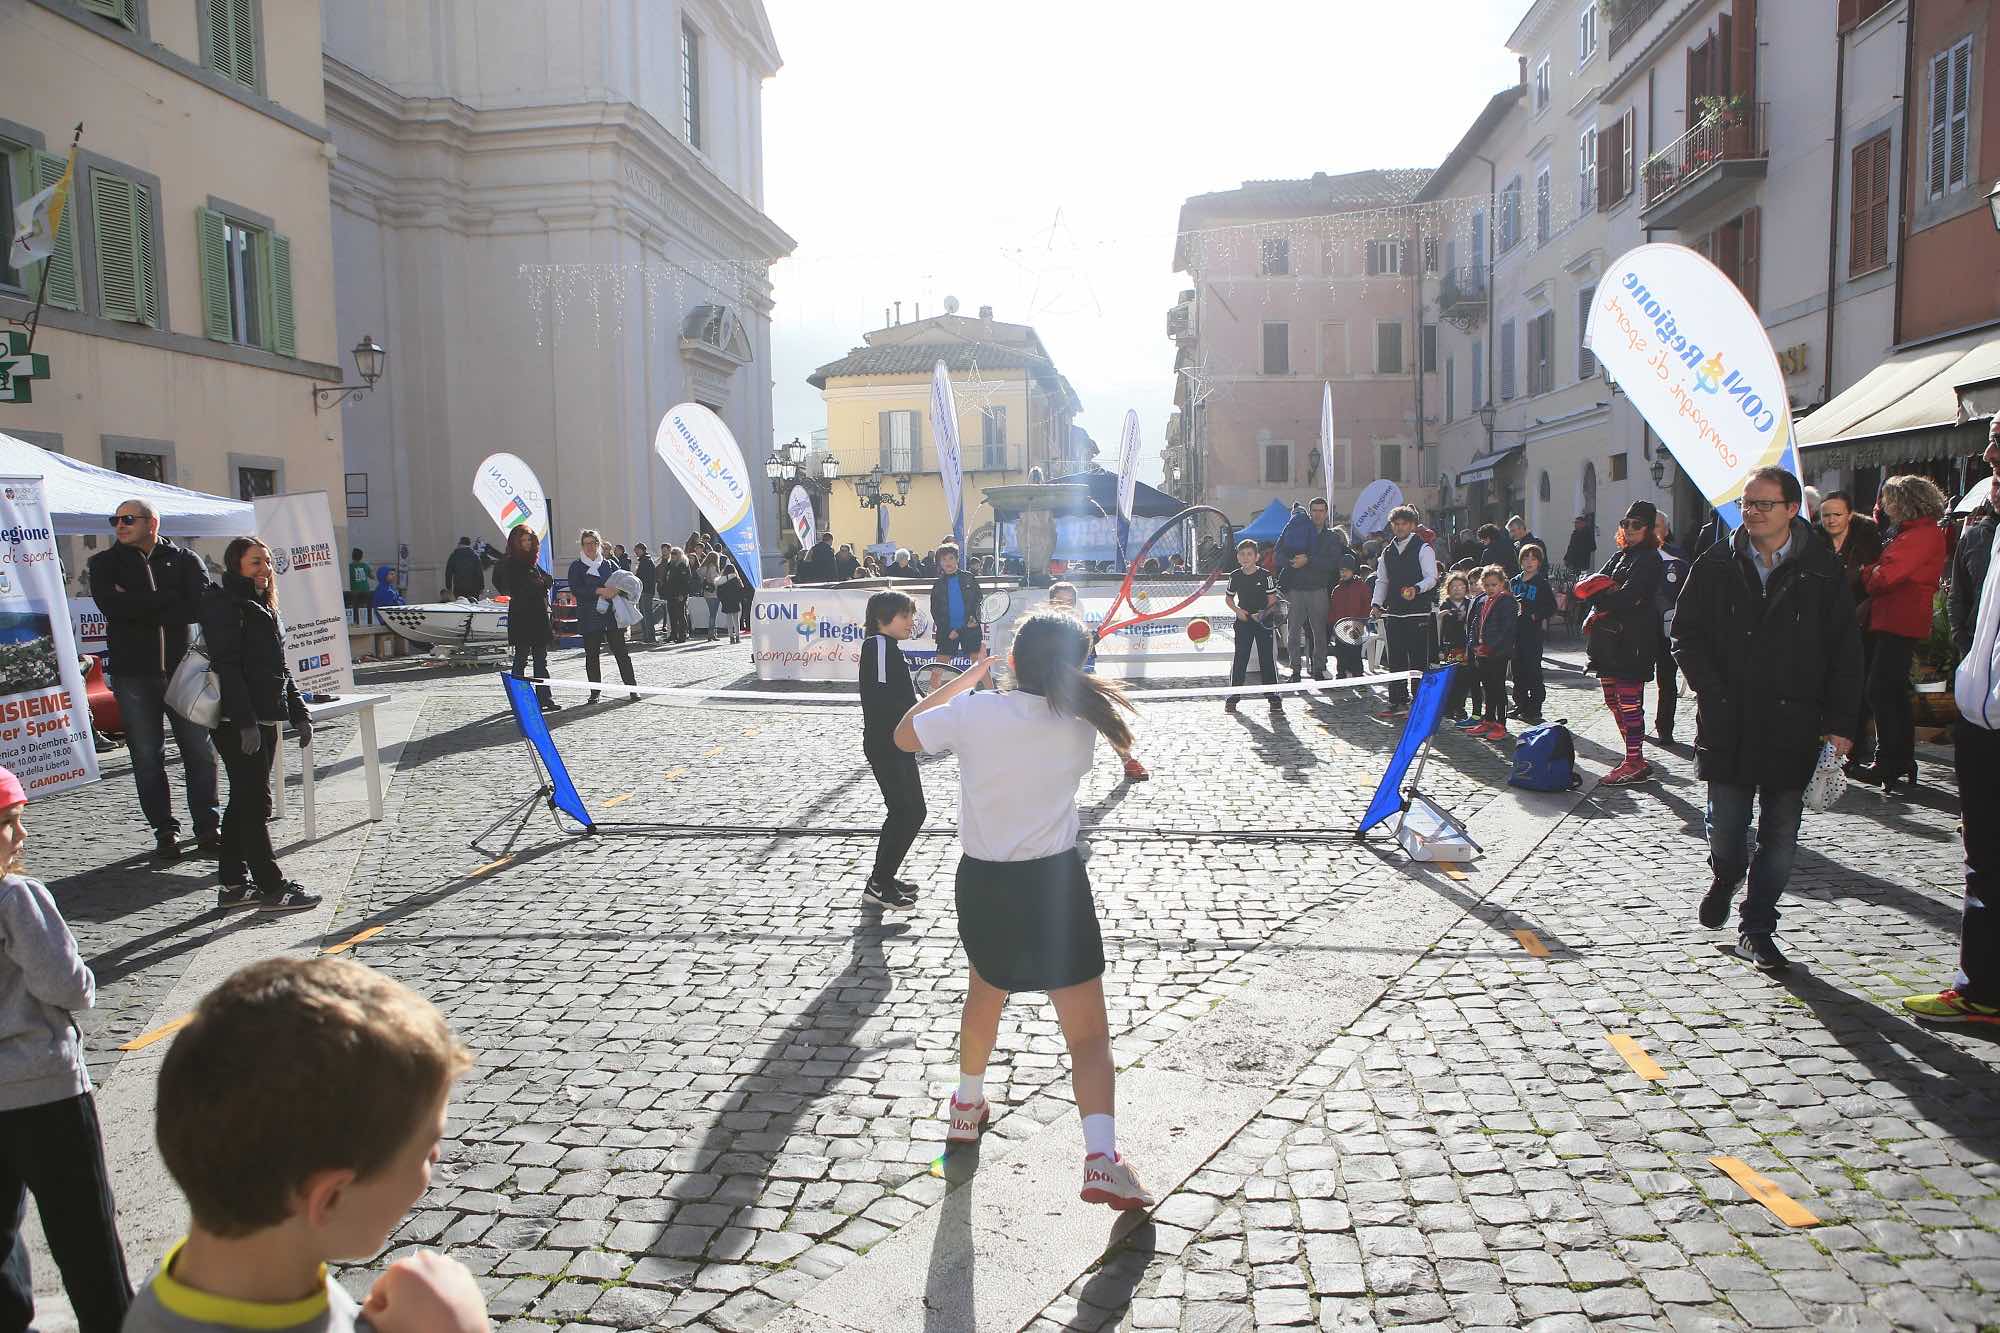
(1766, 636)
(464, 576)
(817, 565)
(150, 591)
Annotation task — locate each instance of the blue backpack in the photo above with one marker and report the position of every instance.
(1545, 759)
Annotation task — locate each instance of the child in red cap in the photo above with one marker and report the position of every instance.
(50, 1144)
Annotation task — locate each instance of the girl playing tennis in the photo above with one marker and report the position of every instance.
(1025, 914)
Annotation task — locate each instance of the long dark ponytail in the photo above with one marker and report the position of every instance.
(1049, 651)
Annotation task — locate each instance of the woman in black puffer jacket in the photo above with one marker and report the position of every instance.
(1624, 633)
(530, 628)
(246, 650)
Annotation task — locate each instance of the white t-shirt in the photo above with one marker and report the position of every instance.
(1018, 765)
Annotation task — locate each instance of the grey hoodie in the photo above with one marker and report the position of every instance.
(41, 980)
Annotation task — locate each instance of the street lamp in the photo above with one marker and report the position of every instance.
(868, 489)
(1659, 468)
(369, 358)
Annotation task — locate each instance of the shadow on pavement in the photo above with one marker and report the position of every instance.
(950, 1300)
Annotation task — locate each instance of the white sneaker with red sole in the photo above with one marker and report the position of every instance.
(1110, 1180)
(968, 1120)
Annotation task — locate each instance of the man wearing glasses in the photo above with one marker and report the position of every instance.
(150, 591)
(1766, 636)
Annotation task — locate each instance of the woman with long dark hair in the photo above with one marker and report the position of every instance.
(1624, 633)
(1025, 913)
(1901, 587)
(530, 630)
(246, 650)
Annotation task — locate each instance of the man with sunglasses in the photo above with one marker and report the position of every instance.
(1766, 636)
(150, 591)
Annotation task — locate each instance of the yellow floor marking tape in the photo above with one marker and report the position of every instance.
(355, 939)
(488, 868)
(673, 774)
(1635, 1056)
(165, 1030)
(1532, 943)
(751, 731)
(618, 800)
(1765, 1191)
(711, 751)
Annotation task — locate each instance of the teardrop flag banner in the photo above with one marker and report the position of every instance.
(944, 428)
(1680, 340)
(701, 453)
(800, 506)
(513, 497)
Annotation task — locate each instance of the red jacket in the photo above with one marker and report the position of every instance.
(1350, 600)
(1902, 583)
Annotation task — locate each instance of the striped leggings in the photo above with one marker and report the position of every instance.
(1627, 701)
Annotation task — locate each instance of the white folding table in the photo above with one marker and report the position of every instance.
(363, 704)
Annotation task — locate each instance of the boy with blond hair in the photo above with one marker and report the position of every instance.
(300, 1112)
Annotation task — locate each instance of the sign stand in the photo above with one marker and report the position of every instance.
(554, 787)
(1424, 830)
(521, 811)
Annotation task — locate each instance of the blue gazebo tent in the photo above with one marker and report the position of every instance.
(1267, 525)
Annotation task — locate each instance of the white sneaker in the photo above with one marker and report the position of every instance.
(1110, 1180)
(967, 1120)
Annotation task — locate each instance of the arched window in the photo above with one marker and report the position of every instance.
(1542, 487)
(1589, 489)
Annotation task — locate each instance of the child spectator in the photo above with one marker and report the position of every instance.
(50, 1145)
(1537, 601)
(1349, 602)
(1452, 649)
(300, 1112)
(886, 694)
(1251, 592)
(1489, 635)
(955, 607)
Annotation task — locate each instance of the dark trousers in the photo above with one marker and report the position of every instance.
(1493, 685)
(646, 634)
(1889, 700)
(1254, 634)
(677, 619)
(594, 642)
(1408, 649)
(522, 653)
(1347, 659)
(1668, 677)
(246, 822)
(965, 645)
(55, 1151)
(143, 712)
(1769, 863)
(1975, 756)
(903, 793)
(1530, 693)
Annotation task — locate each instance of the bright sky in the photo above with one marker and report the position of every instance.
(1033, 157)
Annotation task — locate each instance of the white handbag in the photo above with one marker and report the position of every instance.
(193, 691)
(1827, 782)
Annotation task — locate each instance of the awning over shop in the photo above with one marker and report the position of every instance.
(1903, 411)
(1483, 468)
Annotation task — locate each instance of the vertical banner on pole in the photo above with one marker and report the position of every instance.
(1326, 441)
(944, 425)
(1128, 477)
(804, 527)
(44, 714)
(299, 531)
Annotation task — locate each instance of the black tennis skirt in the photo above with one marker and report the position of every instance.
(1029, 925)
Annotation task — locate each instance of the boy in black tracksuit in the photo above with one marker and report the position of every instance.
(886, 694)
(1537, 601)
(1251, 592)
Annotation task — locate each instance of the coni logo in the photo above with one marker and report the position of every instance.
(809, 623)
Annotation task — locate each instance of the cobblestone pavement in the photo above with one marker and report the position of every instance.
(708, 1079)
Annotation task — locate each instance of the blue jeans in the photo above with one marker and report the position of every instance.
(1777, 845)
(143, 712)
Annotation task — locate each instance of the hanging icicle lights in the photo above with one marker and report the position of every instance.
(563, 293)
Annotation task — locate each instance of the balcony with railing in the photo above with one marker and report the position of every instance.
(1704, 167)
(1462, 296)
(1628, 17)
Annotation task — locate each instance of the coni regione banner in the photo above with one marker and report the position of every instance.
(701, 453)
(299, 531)
(513, 495)
(1687, 349)
(815, 634)
(44, 714)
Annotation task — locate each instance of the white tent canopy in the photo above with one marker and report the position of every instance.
(82, 498)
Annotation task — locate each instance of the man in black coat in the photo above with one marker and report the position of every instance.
(1495, 549)
(1519, 536)
(150, 591)
(817, 565)
(1766, 636)
(649, 587)
(464, 576)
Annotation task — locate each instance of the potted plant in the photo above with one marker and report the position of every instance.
(1932, 665)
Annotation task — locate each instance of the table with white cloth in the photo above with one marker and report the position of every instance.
(364, 704)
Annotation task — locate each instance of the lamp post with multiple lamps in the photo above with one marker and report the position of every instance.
(786, 468)
(869, 491)
(369, 358)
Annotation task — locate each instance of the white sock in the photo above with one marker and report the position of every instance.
(1100, 1136)
(971, 1089)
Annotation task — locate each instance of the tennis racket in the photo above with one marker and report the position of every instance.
(930, 677)
(994, 605)
(1143, 605)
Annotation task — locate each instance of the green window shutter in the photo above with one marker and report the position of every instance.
(147, 256)
(112, 218)
(243, 42)
(278, 282)
(62, 286)
(123, 12)
(214, 275)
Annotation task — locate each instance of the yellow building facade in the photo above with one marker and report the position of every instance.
(1015, 412)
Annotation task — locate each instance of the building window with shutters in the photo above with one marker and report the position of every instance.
(1542, 353)
(232, 42)
(1431, 253)
(34, 171)
(125, 13)
(1278, 463)
(125, 230)
(1544, 207)
(1450, 389)
(1619, 468)
(357, 495)
(246, 279)
(1510, 214)
(1478, 364)
(11, 156)
(1615, 172)
(1586, 32)
(1430, 336)
(1277, 348)
(993, 439)
(1542, 85)
(1390, 458)
(1388, 347)
(691, 84)
(1586, 362)
(1275, 256)
(1868, 213)
(147, 467)
(1950, 119)
(252, 482)
(1507, 361)
(1385, 257)
(1586, 171)
(902, 440)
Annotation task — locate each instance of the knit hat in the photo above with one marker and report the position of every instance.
(1643, 509)
(11, 793)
